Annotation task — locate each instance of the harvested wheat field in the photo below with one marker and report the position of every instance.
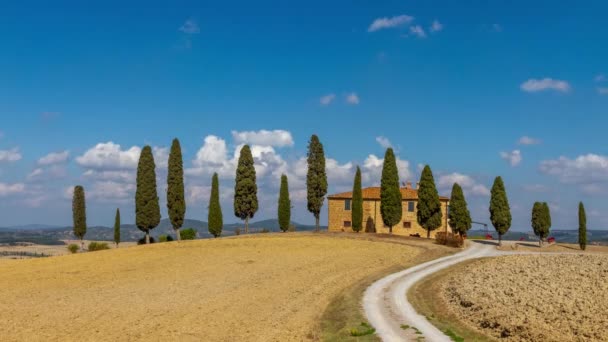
(532, 297)
(271, 287)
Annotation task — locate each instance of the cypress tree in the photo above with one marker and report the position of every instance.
(79, 214)
(147, 210)
(117, 228)
(547, 214)
(500, 212)
(429, 207)
(459, 215)
(316, 178)
(582, 226)
(357, 204)
(390, 195)
(176, 204)
(539, 220)
(245, 189)
(214, 218)
(284, 208)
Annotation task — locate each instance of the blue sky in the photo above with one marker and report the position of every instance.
(453, 85)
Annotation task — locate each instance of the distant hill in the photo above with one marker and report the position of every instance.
(560, 235)
(50, 235)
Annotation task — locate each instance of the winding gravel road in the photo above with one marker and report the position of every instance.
(385, 301)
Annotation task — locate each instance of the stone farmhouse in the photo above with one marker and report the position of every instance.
(339, 211)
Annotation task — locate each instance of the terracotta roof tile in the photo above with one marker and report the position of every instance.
(373, 193)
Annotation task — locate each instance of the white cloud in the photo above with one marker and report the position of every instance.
(467, 183)
(54, 158)
(276, 138)
(513, 157)
(384, 142)
(589, 168)
(111, 191)
(352, 99)
(113, 175)
(190, 27)
(35, 173)
(536, 85)
(599, 78)
(11, 155)
(371, 172)
(417, 31)
(386, 22)
(326, 100)
(526, 140)
(11, 189)
(109, 156)
(436, 26)
(602, 90)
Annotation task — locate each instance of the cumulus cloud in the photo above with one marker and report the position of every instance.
(417, 31)
(11, 189)
(276, 138)
(352, 99)
(54, 158)
(371, 172)
(589, 168)
(190, 27)
(11, 155)
(326, 100)
(436, 26)
(513, 157)
(384, 142)
(466, 182)
(109, 156)
(526, 140)
(536, 85)
(111, 191)
(392, 22)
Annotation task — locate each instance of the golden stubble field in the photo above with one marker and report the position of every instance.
(254, 288)
(532, 297)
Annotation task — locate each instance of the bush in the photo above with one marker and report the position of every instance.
(265, 231)
(142, 241)
(98, 246)
(165, 238)
(188, 234)
(237, 231)
(73, 248)
(362, 330)
(449, 239)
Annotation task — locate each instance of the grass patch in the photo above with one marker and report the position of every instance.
(363, 329)
(424, 298)
(405, 326)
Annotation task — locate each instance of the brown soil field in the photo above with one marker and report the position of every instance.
(531, 297)
(271, 287)
(529, 246)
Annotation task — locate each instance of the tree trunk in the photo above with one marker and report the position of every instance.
(147, 237)
(81, 244)
(428, 234)
(116, 244)
(177, 234)
(540, 242)
(499, 239)
(247, 225)
(317, 229)
(390, 230)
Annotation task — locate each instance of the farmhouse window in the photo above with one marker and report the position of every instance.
(347, 204)
(410, 206)
(407, 224)
(347, 224)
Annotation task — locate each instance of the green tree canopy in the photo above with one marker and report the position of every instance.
(245, 188)
(500, 212)
(357, 203)
(147, 209)
(176, 203)
(215, 218)
(316, 178)
(429, 207)
(582, 226)
(117, 227)
(459, 215)
(391, 208)
(79, 214)
(284, 207)
(541, 221)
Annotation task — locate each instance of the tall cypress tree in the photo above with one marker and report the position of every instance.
(214, 218)
(459, 215)
(147, 210)
(582, 226)
(245, 189)
(539, 222)
(316, 178)
(79, 214)
(500, 212)
(176, 204)
(357, 204)
(117, 228)
(429, 207)
(284, 207)
(390, 195)
(547, 215)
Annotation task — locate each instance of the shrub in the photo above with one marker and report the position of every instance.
(142, 241)
(188, 234)
(73, 248)
(98, 246)
(264, 230)
(362, 330)
(165, 238)
(449, 239)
